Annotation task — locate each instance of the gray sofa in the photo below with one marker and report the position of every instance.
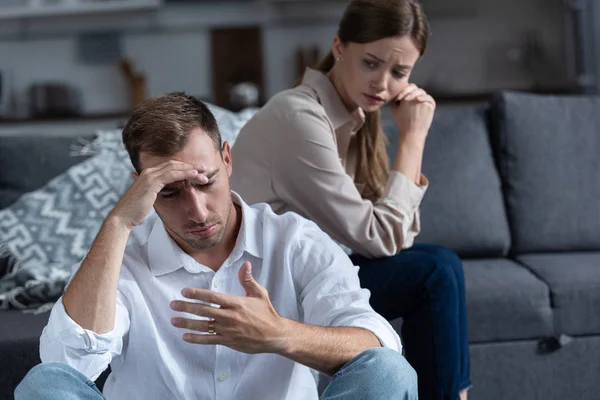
(515, 191)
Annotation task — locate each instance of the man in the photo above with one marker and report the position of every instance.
(210, 298)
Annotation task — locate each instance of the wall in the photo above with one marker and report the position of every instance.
(469, 53)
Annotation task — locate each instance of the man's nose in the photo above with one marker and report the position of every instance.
(196, 206)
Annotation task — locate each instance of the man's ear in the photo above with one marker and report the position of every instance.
(226, 156)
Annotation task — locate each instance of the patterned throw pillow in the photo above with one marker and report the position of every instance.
(51, 229)
(8, 262)
(231, 123)
(57, 223)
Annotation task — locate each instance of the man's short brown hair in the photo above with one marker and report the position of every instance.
(161, 126)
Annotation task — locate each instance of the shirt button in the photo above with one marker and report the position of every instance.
(223, 377)
(216, 283)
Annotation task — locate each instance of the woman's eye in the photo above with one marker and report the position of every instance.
(370, 64)
(398, 74)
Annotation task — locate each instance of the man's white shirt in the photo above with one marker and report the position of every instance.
(308, 277)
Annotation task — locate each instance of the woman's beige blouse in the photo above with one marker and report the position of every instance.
(298, 154)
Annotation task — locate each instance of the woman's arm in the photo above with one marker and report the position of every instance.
(413, 112)
(309, 176)
(409, 159)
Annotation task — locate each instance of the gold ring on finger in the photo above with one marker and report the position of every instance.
(211, 327)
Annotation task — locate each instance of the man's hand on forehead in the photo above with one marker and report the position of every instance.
(199, 178)
(170, 176)
(202, 177)
(203, 174)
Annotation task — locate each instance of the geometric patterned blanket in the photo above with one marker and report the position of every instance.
(48, 231)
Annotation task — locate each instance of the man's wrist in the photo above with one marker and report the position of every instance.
(114, 221)
(285, 342)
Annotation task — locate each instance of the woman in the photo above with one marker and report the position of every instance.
(318, 149)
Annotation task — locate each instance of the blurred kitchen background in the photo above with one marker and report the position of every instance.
(81, 65)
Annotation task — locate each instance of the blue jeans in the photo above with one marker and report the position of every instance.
(375, 374)
(425, 286)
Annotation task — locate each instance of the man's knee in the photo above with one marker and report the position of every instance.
(388, 368)
(40, 378)
(384, 361)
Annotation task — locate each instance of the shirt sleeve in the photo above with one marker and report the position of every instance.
(308, 175)
(90, 353)
(329, 288)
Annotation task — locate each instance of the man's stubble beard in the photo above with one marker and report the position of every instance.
(212, 241)
(203, 244)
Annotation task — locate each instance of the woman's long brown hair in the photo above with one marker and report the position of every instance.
(366, 21)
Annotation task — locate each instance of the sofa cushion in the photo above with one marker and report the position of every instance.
(516, 370)
(463, 208)
(505, 301)
(28, 162)
(574, 281)
(19, 347)
(548, 150)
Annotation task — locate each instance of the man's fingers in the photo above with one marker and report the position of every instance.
(173, 173)
(167, 165)
(169, 176)
(176, 175)
(201, 310)
(201, 178)
(207, 296)
(203, 339)
(191, 324)
(252, 288)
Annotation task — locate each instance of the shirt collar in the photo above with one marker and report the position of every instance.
(331, 101)
(165, 255)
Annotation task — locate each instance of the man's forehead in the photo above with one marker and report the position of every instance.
(147, 160)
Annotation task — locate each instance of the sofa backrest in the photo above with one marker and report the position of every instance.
(29, 162)
(548, 154)
(463, 208)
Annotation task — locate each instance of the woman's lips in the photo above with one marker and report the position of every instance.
(373, 99)
(204, 232)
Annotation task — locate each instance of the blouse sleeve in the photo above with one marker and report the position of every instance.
(308, 175)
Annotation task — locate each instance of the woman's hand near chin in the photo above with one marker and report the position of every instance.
(413, 111)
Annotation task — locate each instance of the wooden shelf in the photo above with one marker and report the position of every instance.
(87, 7)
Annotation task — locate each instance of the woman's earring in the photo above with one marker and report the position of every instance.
(337, 59)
